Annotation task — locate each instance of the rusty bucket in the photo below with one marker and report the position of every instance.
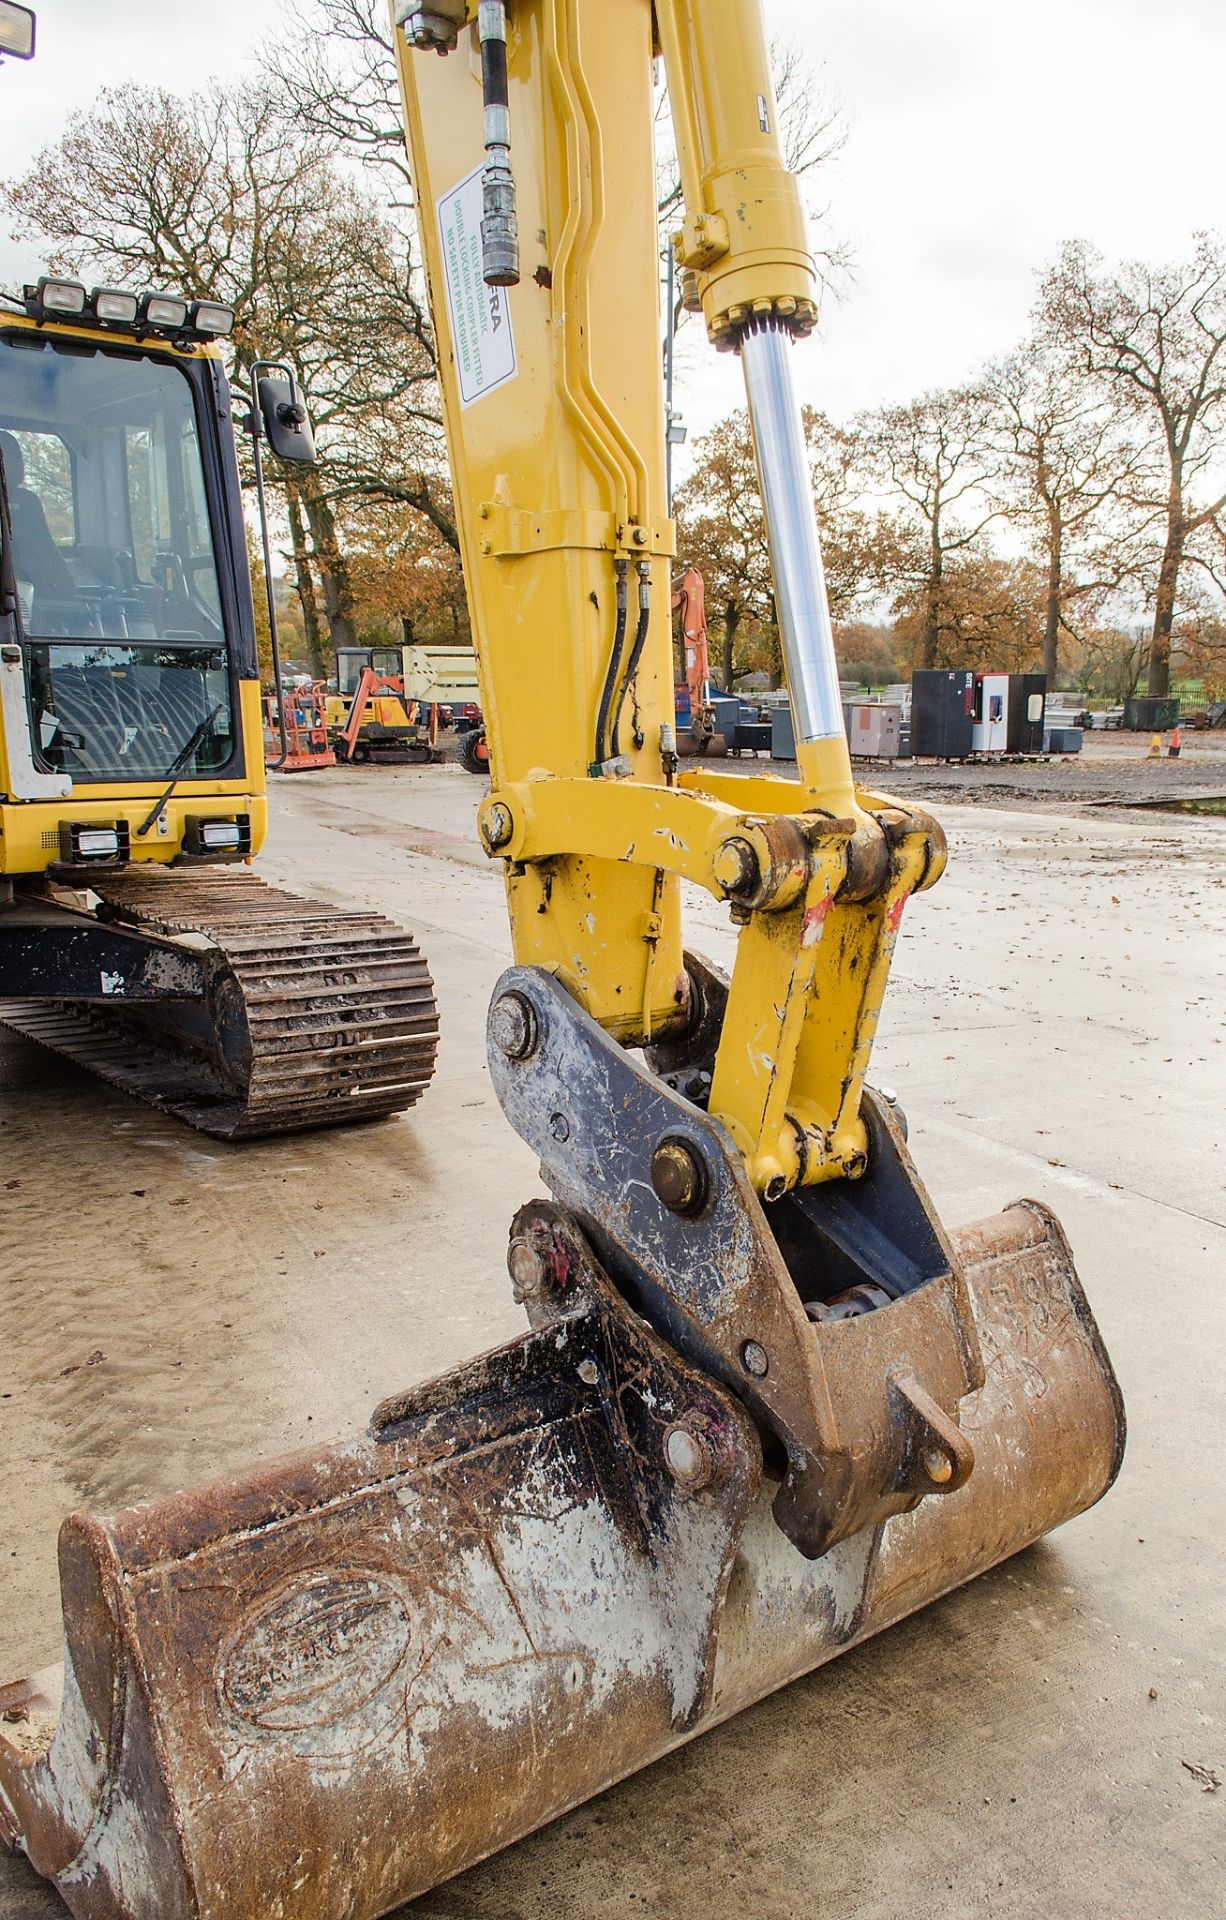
(323, 1686)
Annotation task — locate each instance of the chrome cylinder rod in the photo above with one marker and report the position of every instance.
(791, 530)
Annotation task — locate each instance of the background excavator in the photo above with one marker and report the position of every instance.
(766, 1405)
(132, 938)
(697, 731)
(394, 701)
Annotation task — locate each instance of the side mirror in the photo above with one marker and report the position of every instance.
(16, 30)
(286, 422)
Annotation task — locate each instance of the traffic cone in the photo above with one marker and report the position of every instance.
(1155, 747)
(1172, 752)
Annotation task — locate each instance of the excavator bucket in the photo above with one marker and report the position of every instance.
(322, 1687)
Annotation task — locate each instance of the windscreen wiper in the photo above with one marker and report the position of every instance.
(175, 769)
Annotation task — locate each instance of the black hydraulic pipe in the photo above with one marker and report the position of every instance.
(636, 651)
(621, 568)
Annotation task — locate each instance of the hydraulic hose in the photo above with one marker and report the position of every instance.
(499, 227)
(622, 568)
(636, 651)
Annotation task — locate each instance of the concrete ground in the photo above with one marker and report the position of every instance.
(1112, 769)
(1022, 1751)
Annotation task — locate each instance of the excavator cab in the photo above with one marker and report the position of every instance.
(136, 643)
(132, 786)
(129, 664)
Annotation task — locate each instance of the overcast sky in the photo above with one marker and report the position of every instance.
(981, 133)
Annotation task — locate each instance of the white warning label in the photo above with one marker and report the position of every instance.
(480, 316)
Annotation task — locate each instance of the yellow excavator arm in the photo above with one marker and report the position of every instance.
(766, 1405)
(555, 432)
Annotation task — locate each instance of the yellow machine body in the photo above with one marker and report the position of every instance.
(30, 829)
(30, 826)
(133, 940)
(402, 687)
(767, 1405)
(385, 710)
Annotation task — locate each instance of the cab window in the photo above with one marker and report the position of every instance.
(113, 554)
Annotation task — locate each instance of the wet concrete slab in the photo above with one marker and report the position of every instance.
(171, 1307)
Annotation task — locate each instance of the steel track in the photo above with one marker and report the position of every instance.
(312, 1017)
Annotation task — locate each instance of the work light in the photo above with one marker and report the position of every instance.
(163, 310)
(110, 304)
(205, 839)
(16, 30)
(82, 845)
(220, 833)
(60, 296)
(98, 842)
(209, 316)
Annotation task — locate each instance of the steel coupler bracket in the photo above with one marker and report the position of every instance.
(865, 1406)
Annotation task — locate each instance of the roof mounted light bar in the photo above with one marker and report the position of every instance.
(137, 313)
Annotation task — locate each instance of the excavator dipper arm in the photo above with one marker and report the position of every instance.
(767, 1405)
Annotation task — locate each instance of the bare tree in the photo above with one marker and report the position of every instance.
(722, 530)
(334, 66)
(1112, 662)
(221, 196)
(304, 580)
(198, 193)
(1065, 469)
(1154, 339)
(929, 462)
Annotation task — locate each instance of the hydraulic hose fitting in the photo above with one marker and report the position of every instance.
(499, 225)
